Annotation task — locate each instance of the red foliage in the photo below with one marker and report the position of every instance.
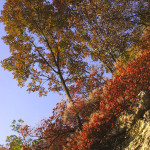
(116, 96)
(119, 93)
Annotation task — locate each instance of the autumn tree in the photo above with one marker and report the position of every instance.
(99, 113)
(50, 41)
(43, 46)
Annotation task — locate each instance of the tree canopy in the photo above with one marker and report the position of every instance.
(52, 40)
(57, 41)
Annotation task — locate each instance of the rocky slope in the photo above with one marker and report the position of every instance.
(132, 129)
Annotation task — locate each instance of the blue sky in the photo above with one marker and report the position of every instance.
(16, 102)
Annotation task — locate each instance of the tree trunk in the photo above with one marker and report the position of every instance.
(69, 98)
(65, 88)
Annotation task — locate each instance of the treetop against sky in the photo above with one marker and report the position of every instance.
(51, 42)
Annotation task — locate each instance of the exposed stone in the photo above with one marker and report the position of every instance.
(140, 133)
(132, 129)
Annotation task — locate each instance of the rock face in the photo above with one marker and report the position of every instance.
(137, 129)
(140, 134)
(132, 129)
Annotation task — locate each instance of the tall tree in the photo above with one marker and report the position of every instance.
(43, 45)
(50, 40)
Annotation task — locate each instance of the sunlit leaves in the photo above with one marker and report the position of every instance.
(51, 42)
(112, 26)
(43, 45)
(98, 113)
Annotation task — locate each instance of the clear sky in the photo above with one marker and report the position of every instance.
(16, 102)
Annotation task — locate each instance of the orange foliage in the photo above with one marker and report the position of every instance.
(118, 94)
